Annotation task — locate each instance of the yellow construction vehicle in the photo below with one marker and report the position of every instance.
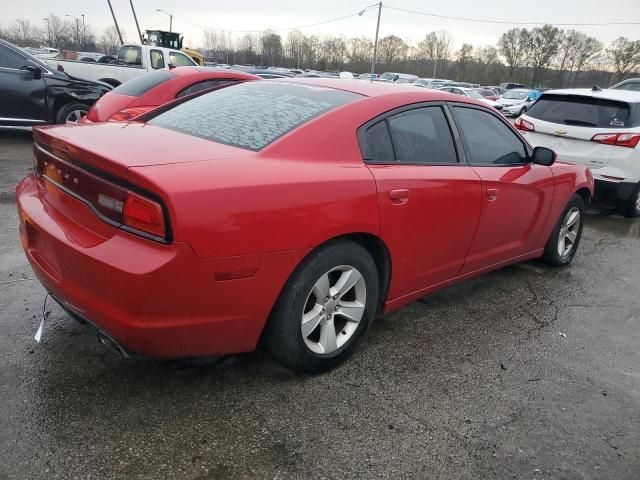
(160, 38)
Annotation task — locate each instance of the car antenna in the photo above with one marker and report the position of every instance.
(596, 88)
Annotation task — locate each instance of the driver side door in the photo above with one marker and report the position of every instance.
(23, 95)
(516, 193)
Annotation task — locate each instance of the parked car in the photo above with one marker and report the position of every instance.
(517, 101)
(265, 73)
(511, 85)
(33, 94)
(368, 76)
(471, 93)
(498, 90)
(629, 84)
(488, 93)
(173, 257)
(395, 77)
(599, 129)
(132, 61)
(144, 93)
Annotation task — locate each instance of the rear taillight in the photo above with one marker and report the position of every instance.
(129, 113)
(629, 140)
(112, 200)
(524, 125)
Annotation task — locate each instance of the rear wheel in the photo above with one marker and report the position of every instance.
(325, 308)
(631, 206)
(564, 241)
(71, 112)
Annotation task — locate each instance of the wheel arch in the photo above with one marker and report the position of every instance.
(585, 193)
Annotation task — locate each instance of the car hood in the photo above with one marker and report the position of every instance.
(511, 101)
(116, 146)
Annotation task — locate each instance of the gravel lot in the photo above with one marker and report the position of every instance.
(526, 373)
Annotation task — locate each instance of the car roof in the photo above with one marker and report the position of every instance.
(605, 94)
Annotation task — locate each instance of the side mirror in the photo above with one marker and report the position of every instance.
(543, 156)
(171, 66)
(33, 69)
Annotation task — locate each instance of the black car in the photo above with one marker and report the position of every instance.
(34, 94)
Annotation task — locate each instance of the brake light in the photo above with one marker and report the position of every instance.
(129, 113)
(143, 214)
(629, 140)
(112, 201)
(524, 125)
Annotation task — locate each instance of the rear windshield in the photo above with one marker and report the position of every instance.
(581, 111)
(252, 115)
(142, 84)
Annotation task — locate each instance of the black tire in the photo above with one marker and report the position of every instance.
(552, 255)
(283, 336)
(631, 206)
(66, 110)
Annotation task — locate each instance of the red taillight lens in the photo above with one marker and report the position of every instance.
(129, 113)
(109, 198)
(524, 125)
(144, 215)
(629, 140)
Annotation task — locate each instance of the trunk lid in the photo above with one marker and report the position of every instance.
(114, 147)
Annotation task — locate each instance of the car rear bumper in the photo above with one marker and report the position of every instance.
(151, 299)
(612, 190)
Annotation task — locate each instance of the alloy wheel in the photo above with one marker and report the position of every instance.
(569, 232)
(333, 310)
(75, 115)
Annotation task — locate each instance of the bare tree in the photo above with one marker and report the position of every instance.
(271, 44)
(23, 33)
(624, 55)
(110, 41)
(391, 49)
(465, 56)
(513, 46)
(544, 43)
(436, 47)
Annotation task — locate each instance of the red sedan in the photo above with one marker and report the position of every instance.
(146, 92)
(291, 212)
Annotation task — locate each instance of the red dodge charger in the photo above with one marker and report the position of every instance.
(289, 212)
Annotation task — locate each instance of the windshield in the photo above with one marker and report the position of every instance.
(252, 115)
(387, 76)
(515, 95)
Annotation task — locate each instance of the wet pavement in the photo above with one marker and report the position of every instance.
(526, 373)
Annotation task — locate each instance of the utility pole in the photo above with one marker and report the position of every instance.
(115, 22)
(48, 32)
(136, 19)
(84, 38)
(78, 47)
(170, 18)
(375, 43)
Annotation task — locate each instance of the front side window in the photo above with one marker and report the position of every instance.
(422, 135)
(253, 114)
(10, 59)
(487, 140)
(179, 60)
(157, 59)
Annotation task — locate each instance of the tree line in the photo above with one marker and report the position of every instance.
(542, 56)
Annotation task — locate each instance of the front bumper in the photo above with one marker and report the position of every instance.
(612, 190)
(153, 300)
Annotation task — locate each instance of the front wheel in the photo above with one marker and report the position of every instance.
(631, 206)
(325, 308)
(71, 113)
(564, 241)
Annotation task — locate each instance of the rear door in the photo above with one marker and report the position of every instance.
(429, 201)
(516, 194)
(567, 123)
(23, 99)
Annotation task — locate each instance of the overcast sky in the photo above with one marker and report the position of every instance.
(281, 14)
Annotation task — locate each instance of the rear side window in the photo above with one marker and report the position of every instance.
(253, 114)
(633, 86)
(581, 111)
(130, 55)
(140, 85)
(422, 135)
(377, 146)
(487, 140)
(196, 87)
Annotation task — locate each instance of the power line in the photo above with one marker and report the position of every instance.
(505, 22)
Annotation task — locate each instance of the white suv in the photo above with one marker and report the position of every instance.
(596, 128)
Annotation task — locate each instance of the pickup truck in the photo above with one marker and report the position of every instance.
(132, 60)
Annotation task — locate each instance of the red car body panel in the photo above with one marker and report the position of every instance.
(242, 221)
(113, 102)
